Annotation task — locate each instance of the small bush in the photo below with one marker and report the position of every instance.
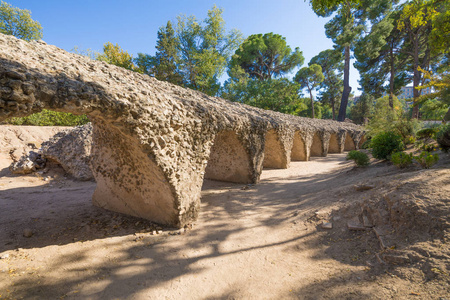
(426, 159)
(407, 129)
(402, 159)
(361, 159)
(386, 143)
(50, 118)
(410, 140)
(443, 138)
(427, 133)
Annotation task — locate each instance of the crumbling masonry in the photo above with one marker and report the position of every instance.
(154, 142)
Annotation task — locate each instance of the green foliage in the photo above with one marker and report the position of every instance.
(264, 57)
(326, 7)
(50, 118)
(18, 22)
(309, 78)
(366, 144)
(441, 26)
(253, 72)
(437, 104)
(203, 50)
(362, 110)
(115, 55)
(402, 159)
(386, 143)
(379, 60)
(433, 109)
(306, 109)
(416, 23)
(410, 140)
(424, 146)
(427, 133)
(443, 138)
(384, 118)
(407, 128)
(426, 159)
(361, 159)
(164, 64)
(331, 87)
(275, 94)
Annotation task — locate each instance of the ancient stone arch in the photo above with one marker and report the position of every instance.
(151, 140)
(361, 141)
(349, 143)
(334, 144)
(317, 148)
(299, 149)
(229, 160)
(274, 153)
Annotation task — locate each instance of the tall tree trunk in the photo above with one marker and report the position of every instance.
(312, 103)
(391, 79)
(416, 79)
(347, 88)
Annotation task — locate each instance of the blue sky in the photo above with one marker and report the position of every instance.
(133, 24)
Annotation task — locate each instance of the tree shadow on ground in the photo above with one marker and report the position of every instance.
(139, 262)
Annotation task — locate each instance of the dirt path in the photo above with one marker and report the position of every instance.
(250, 242)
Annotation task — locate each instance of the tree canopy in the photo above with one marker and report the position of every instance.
(115, 55)
(18, 22)
(265, 56)
(330, 89)
(310, 78)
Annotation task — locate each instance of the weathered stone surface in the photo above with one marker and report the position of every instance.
(28, 164)
(151, 140)
(72, 150)
(23, 166)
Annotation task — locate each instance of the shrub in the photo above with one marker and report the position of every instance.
(428, 147)
(402, 159)
(386, 143)
(410, 140)
(427, 133)
(50, 118)
(426, 159)
(361, 159)
(443, 138)
(407, 129)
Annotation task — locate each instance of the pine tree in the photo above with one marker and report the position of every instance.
(331, 86)
(165, 60)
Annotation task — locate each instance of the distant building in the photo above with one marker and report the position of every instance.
(408, 92)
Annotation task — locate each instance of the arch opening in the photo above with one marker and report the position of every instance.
(298, 152)
(228, 160)
(333, 146)
(361, 141)
(274, 154)
(317, 145)
(349, 143)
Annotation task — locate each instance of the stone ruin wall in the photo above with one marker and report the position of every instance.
(152, 140)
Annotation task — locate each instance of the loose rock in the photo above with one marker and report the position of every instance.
(27, 233)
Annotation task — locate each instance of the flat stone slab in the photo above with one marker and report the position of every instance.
(353, 225)
(327, 225)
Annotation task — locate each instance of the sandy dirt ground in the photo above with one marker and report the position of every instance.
(260, 241)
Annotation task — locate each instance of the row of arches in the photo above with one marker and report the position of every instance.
(231, 161)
